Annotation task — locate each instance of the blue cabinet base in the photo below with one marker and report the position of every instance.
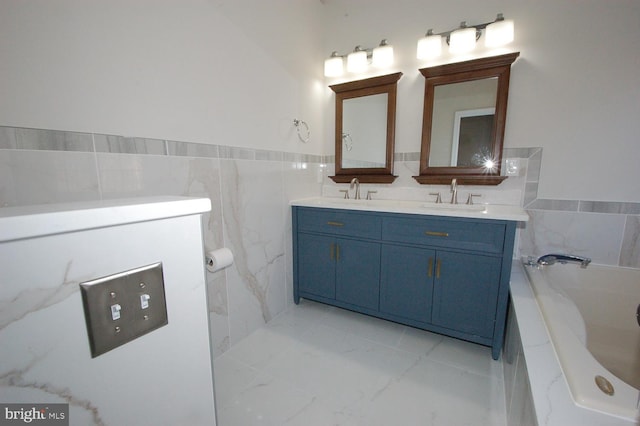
(444, 275)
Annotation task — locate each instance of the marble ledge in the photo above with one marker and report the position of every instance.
(49, 219)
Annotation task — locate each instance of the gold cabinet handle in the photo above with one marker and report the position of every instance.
(430, 271)
(332, 223)
(436, 234)
(438, 265)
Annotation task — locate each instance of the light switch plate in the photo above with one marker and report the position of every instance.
(122, 307)
(513, 167)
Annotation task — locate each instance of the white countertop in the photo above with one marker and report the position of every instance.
(476, 211)
(48, 219)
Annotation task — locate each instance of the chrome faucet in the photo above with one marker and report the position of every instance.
(355, 182)
(454, 191)
(550, 259)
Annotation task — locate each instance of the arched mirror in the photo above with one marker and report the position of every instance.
(365, 129)
(465, 109)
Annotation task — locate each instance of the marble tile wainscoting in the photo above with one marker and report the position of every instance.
(607, 232)
(249, 192)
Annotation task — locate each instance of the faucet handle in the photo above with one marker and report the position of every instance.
(346, 193)
(438, 197)
(369, 194)
(470, 198)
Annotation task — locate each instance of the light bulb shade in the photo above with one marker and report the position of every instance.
(382, 56)
(357, 61)
(333, 66)
(462, 40)
(499, 33)
(429, 47)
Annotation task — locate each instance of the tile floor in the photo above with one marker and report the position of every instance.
(320, 365)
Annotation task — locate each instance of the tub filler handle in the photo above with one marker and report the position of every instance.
(550, 259)
(638, 317)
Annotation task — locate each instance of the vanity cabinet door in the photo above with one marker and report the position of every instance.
(465, 293)
(406, 282)
(358, 272)
(316, 265)
(339, 269)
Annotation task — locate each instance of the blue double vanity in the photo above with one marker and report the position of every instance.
(438, 267)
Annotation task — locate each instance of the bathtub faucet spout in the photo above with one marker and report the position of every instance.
(550, 259)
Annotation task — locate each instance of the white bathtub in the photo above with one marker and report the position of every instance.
(590, 315)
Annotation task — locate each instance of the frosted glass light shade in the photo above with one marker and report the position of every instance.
(333, 67)
(462, 40)
(429, 47)
(357, 61)
(499, 33)
(382, 56)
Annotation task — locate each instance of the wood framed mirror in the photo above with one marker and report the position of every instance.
(365, 129)
(465, 110)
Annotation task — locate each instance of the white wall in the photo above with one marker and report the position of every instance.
(149, 68)
(224, 72)
(575, 90)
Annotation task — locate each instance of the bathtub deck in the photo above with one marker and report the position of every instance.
(552, 400)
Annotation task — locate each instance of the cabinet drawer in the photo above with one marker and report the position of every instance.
(339, 222)
(451, 233)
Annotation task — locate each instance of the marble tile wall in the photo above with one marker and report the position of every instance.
(605, 231)
(407, 165)
(250, 190)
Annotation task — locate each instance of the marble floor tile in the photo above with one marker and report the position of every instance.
(473, 358)
(233, 376)
(319, 365)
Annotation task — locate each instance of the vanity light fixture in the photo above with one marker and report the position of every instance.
(429, 46)
(383, 55)
(463, 39)
(333, 66)
(499, 32)
(358, 61)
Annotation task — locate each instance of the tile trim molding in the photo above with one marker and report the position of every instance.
(21, 138)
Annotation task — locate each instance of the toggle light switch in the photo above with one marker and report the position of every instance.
(144, 301)
(123, 297)
(115, 311)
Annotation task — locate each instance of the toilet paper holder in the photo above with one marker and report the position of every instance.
(216, 260)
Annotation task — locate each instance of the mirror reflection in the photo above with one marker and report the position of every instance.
(365, 129)
(463, 116)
